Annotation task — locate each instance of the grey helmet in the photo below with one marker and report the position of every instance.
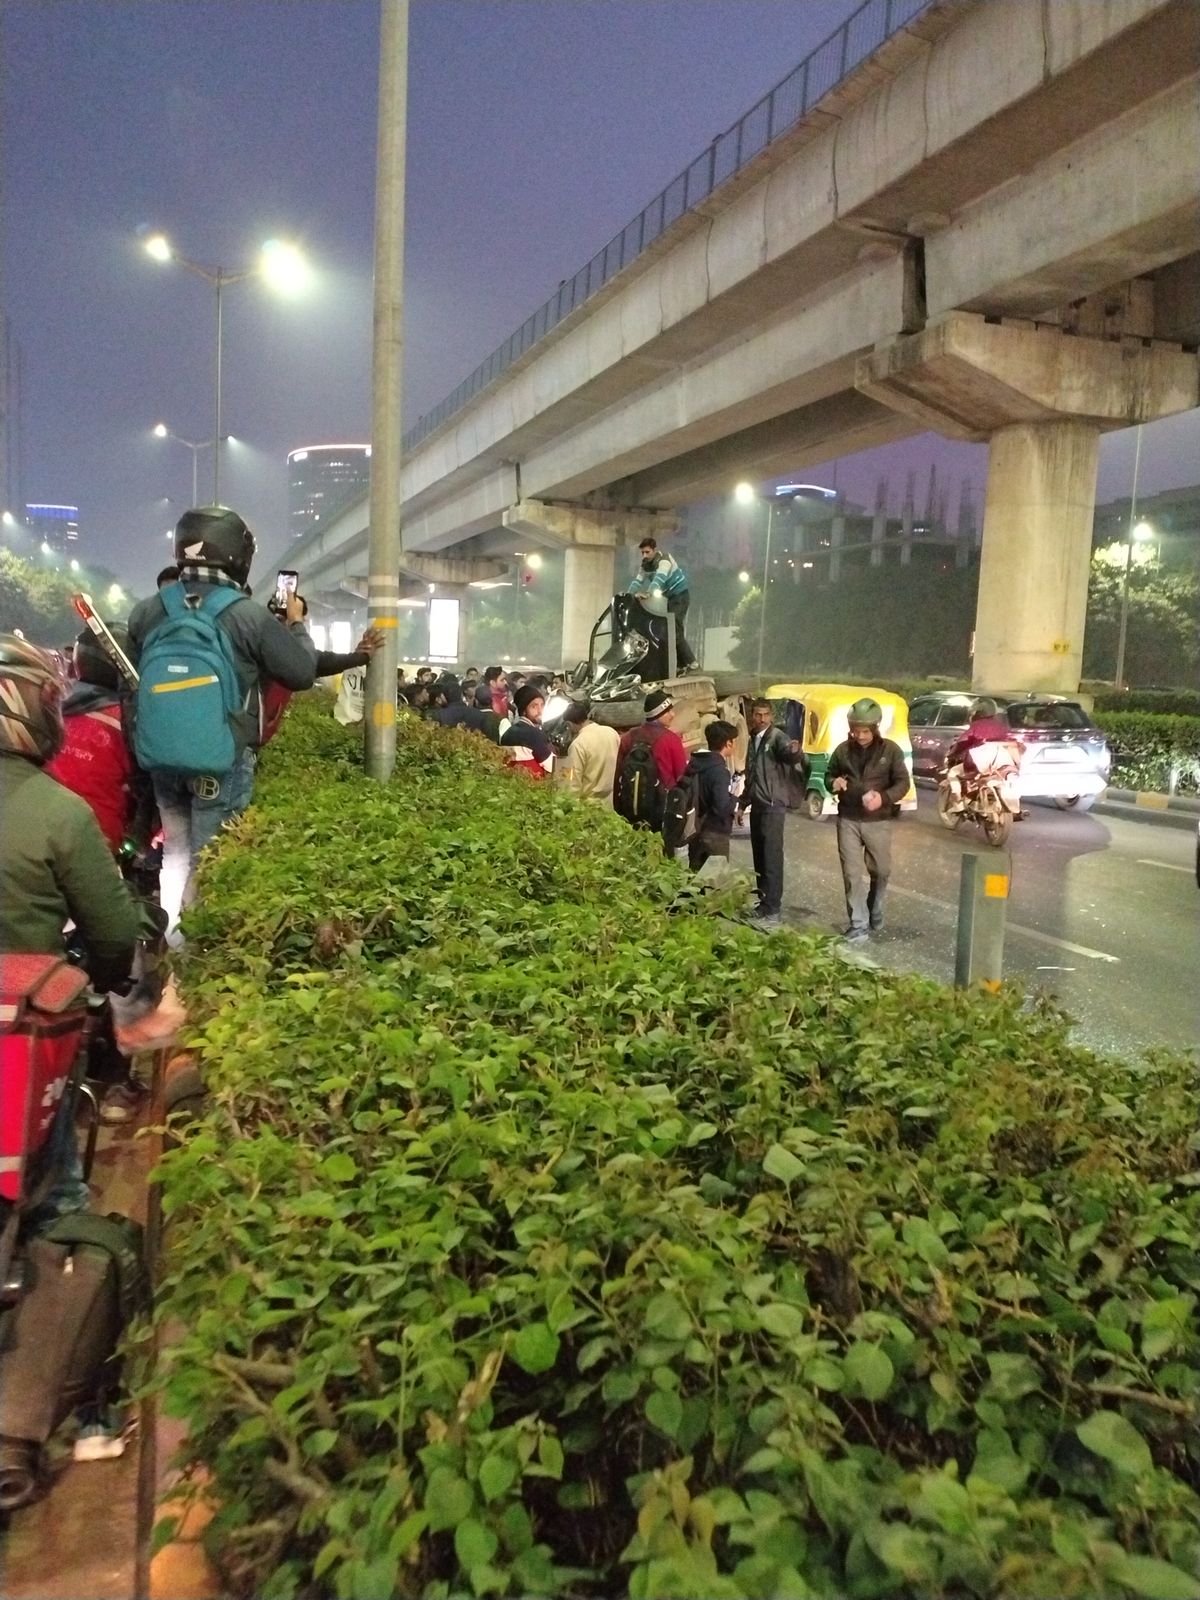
(865, 713)
(215, 536)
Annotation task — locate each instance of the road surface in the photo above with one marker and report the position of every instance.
(1104, 913)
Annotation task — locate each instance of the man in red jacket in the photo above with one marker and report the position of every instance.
(94, 761)
(635, 796)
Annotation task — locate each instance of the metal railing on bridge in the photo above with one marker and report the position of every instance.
(780, 109)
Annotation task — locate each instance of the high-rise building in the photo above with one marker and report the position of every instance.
(56, 526)
(322, 480)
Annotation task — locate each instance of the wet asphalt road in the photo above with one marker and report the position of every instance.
(1104, 913)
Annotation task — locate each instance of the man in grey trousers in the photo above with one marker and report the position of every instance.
(870, 778)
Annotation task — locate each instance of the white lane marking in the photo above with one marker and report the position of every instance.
(1169, 866)
(1016, 927)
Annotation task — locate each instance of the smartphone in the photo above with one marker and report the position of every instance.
(285, 584)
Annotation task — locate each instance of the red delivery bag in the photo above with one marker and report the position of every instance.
(43, 1013)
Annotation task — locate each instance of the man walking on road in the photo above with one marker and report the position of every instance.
(869, 776)
(770, 761)
(660, 573)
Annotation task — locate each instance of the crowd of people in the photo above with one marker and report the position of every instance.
(112, 788)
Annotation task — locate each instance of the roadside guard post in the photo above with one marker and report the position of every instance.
(982, 899)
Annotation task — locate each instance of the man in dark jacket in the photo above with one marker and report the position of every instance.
(870, 778)
(771, 759)
(214, 549)
(715, 804)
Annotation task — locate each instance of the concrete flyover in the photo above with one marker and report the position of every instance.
(970, 231)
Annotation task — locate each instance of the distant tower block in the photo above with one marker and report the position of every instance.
(324, 479)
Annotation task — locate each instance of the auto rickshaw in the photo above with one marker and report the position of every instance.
(815, 713)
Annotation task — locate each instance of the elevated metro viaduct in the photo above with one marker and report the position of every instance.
(989, 226)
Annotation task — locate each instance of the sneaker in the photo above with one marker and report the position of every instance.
(856, 936)
(769, 919)
(102, 1437)
(122, 1102)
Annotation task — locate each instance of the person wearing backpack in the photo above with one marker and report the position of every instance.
(770, 760)
(55, 867)
(715, 802)
(651, 761)
(206, 652)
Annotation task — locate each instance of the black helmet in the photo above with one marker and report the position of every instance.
(983, 707)
(216, 537)
(93, 664)
(31, 694)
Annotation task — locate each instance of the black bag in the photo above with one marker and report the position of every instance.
(639, 795)
(85, 1282)
(681, 812)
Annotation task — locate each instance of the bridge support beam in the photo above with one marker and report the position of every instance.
(1041, 397)
(590, 536)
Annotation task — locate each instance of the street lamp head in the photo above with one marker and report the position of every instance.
(284, 267)
(744, 494)
(115, 594)
(743, 576)
(533, 561)
(1143, 530)
(74, 565)
(9, 520)
(158, 247)
(160, 430)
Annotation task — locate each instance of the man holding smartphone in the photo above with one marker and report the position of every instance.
(214, 549)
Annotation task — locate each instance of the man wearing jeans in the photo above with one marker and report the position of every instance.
(771, 758)
(214, 549)
(870, 778)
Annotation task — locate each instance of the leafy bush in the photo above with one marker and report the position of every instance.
(1165, 702)
(552, 1234)
(1152, 751)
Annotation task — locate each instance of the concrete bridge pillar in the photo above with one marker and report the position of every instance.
(1037, 549)
(589, 577)
(1041, 397)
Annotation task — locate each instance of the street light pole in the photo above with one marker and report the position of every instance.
(281, 264)
(384, 542)
(1123, 628)
(762, 605)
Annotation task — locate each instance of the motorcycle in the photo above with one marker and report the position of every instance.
(990, 797)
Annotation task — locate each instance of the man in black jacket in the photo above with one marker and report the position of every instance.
(870, 778)
(714, 803)
(770, 759)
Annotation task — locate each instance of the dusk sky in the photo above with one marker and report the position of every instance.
(537, 128)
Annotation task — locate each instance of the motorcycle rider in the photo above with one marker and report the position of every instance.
(986, 727)
(55, 865)
(869, 775)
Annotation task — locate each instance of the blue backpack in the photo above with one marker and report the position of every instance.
(188, 694)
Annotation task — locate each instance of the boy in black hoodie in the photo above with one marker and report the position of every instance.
(714, 802)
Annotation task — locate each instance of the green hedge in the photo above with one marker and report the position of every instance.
(1164, 702)
(553, 1234)
(1151, 751)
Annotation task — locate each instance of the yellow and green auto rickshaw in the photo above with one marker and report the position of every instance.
(815, 713)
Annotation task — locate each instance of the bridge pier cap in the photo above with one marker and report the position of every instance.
(1041, 398)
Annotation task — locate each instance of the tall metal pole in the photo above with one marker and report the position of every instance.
(383, 576)
(219, 285)
(195, 449)
(1119, 676)
(762, 607)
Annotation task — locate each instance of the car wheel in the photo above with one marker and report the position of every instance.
(814, 805)
(1074, 802)
(619, 714)
(733, 685)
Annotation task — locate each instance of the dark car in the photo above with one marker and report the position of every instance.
(1066, 757)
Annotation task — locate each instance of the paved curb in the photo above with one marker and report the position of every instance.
(1149, 800)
